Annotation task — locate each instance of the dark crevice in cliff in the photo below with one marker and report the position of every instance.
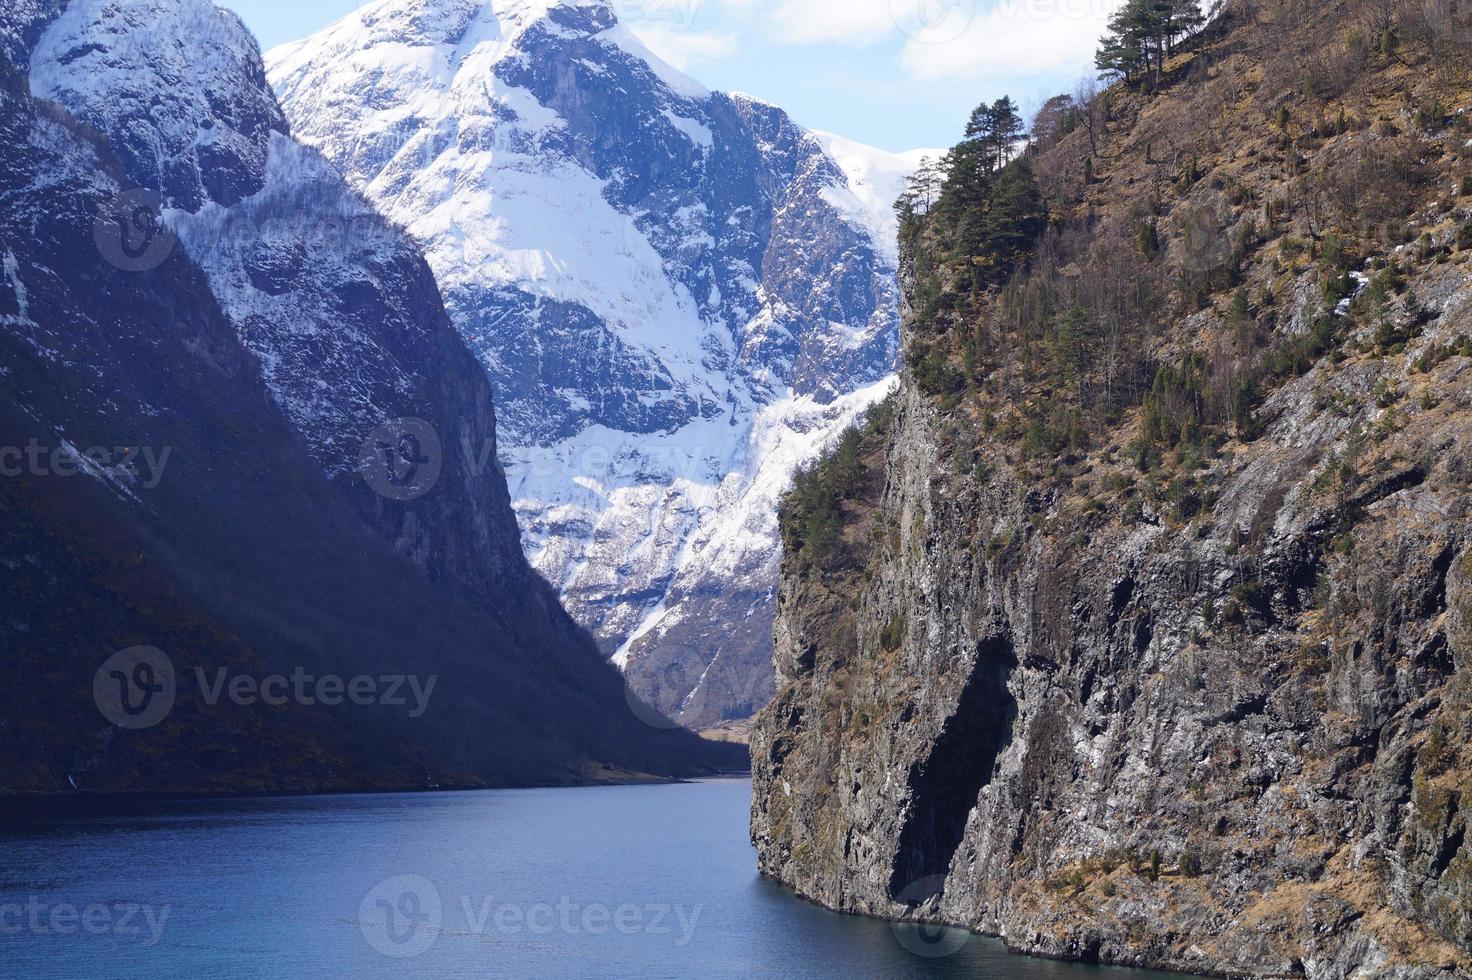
(1450, 848)
(1406, 479)
(945, 785)
(1441, 566)
(1120, 598)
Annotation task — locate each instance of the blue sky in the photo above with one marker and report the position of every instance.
(898, 74)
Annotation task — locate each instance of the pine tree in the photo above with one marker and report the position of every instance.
(1118, 58)
(1125, 50)
(1147, 238)
(1016, 217)
(1007, 130)
(1184, 19)
(998, 128)
(906, 207)
(921, 190)
(1073, 345)
(967, 184)
(930, 177)
(844, 465)
(1143, 34)
(968, 200)
(979, 125)
(1058, 117)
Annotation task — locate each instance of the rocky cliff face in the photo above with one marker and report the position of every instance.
(679, 295)
(1039, 699)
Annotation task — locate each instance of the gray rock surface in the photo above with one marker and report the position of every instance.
(1031, 688)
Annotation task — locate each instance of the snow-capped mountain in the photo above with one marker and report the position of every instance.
(178, 273)
(679, 294)
(336, 303)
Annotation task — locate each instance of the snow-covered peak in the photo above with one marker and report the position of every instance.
(442, 21)
(678, 293)
(178, 86)
(418, 22)
(450, 32)
(438, 60)
(445, 113)
(676, 81)
(875, 180)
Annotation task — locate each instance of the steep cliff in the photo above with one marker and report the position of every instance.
(1143, 637)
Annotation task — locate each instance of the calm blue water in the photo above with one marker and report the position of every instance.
(641, 882)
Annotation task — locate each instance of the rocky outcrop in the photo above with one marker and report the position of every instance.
(1057, 709)
(1038, 702)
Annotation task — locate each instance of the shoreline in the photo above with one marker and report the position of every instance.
(22, 805)
(1097, 960)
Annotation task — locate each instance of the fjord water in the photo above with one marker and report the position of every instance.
(635, 881)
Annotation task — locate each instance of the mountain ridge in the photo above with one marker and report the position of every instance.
(255, 346)
(654, 275)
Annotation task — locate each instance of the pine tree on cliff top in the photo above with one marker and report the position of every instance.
(1143, 34)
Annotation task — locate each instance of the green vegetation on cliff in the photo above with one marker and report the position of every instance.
(1138, 259)
(1170, 526)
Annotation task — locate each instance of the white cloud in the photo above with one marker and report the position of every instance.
(943, 38)
(681, 48)
(821, 21)
(818, 21)
(1015, 37)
